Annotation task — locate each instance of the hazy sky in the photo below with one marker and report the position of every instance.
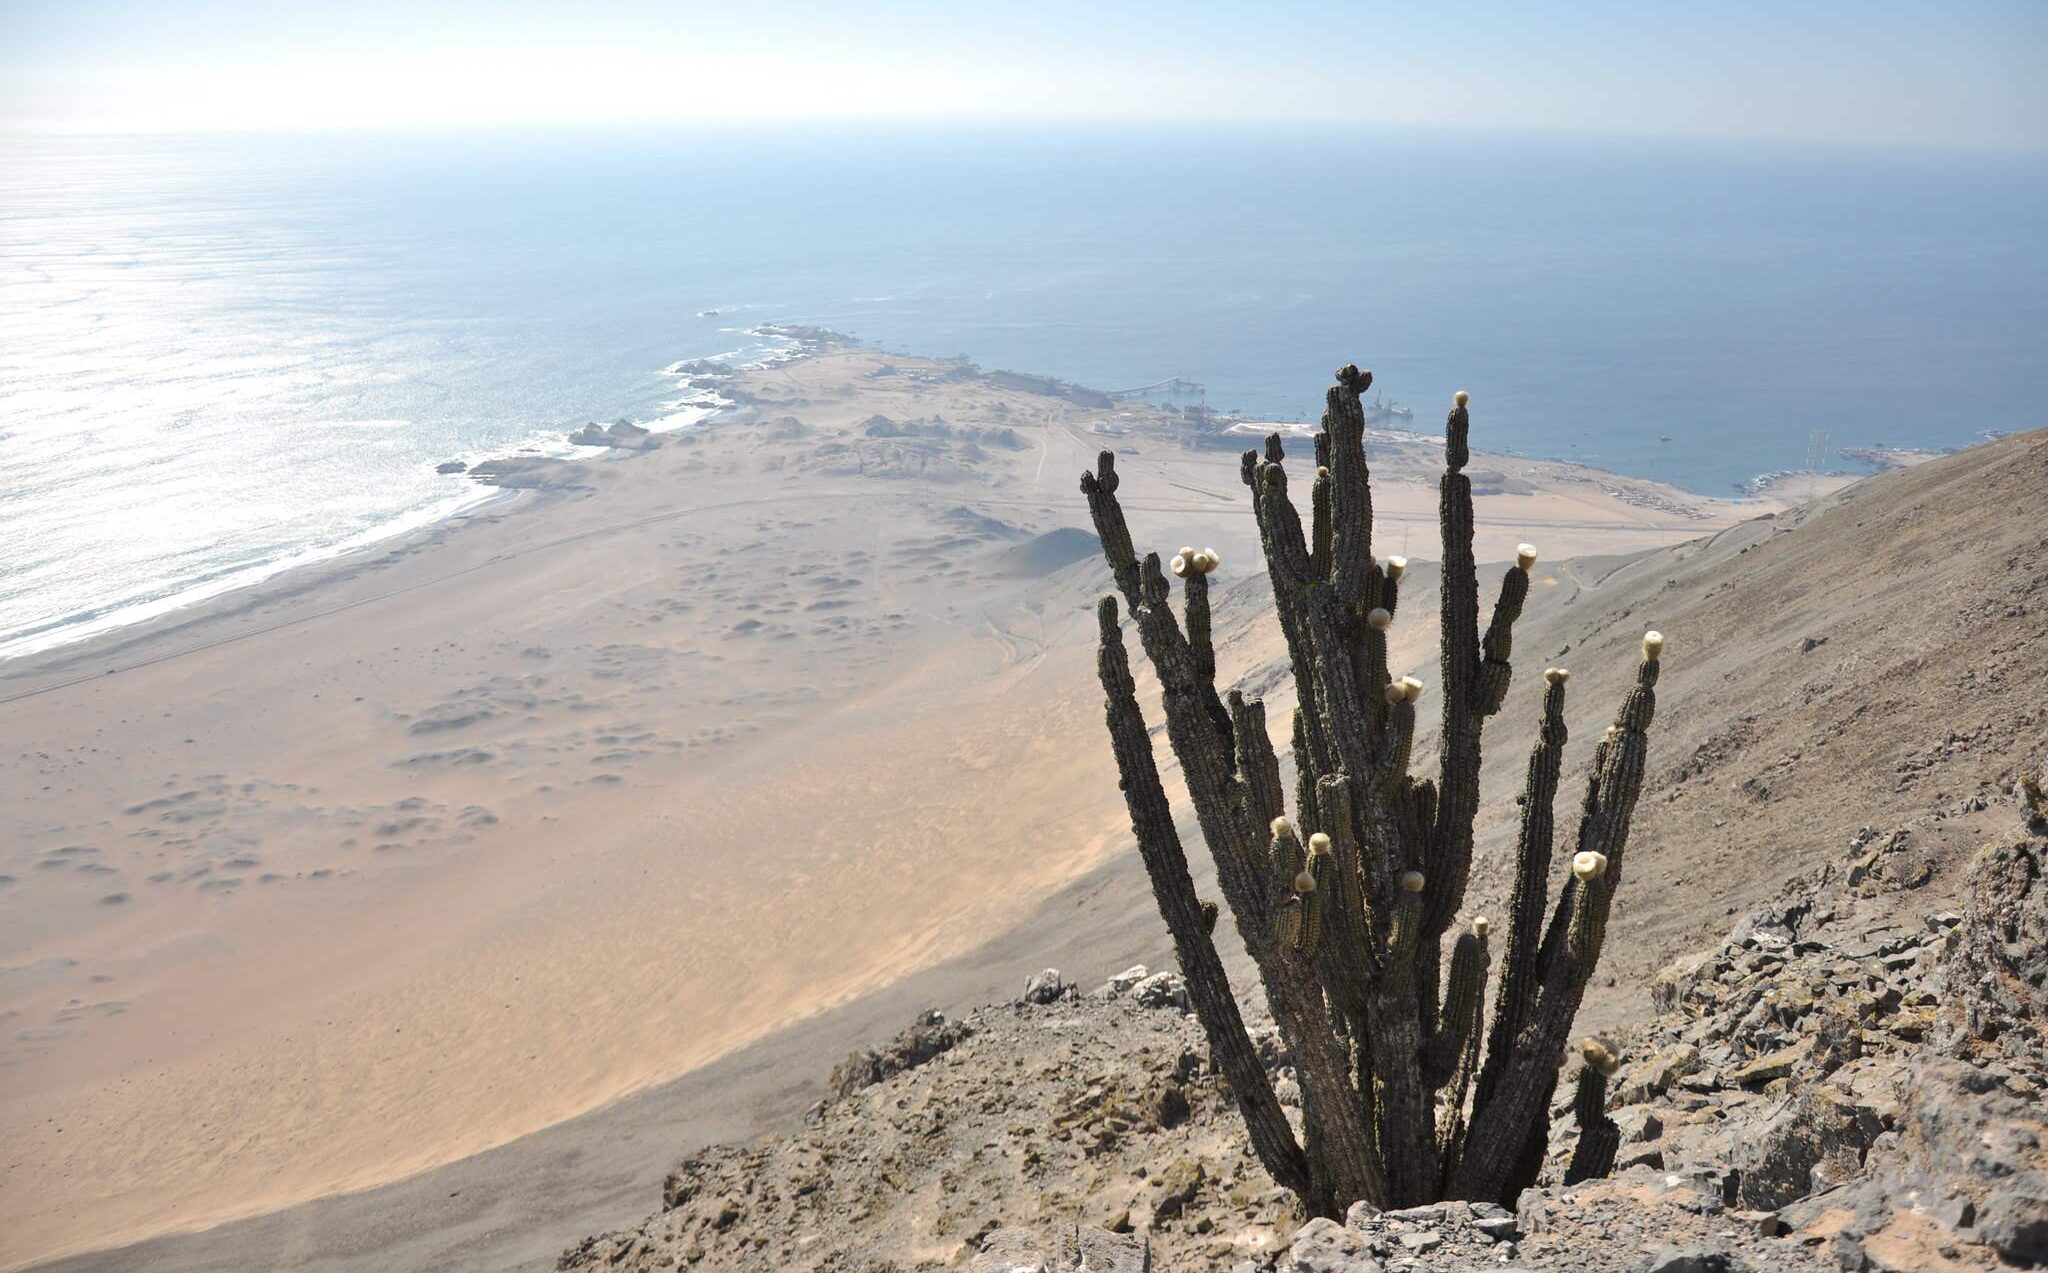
(1965, 72)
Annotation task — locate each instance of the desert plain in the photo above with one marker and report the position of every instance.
(398, 858)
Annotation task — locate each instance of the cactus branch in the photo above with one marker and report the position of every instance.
(1166, 863)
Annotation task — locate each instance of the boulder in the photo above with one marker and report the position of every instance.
(1010, 1251)
(1044, 987)
(1178, 1185)
(1324, 1246)
(1121, 984)
(1161, 990)
(1820, 1127)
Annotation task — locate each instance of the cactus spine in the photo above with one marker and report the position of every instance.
(1406, 1095)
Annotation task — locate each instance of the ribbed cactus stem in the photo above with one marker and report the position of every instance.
(1457, 426)
(1351, 486)
(1400, 733)
(1464, 1003)
(1599, 1136)
(1195, 599)
(1528, 897)
(1152, 825)
(1494, 669)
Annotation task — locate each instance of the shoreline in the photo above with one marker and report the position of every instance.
(699, 404)
(504, 476)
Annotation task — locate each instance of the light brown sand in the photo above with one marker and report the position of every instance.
(395, 859)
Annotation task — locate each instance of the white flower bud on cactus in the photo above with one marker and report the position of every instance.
(1187, 553)
(1557, 675)
(1653, 644)
(1304, 883)
(1589, 865)
(1480, 925)
(1412, 881)
(1396, 566)
(1201, 563)
(1319, 843)
(1378, 618)
(1600, 1055)
(1411, 687)
(1525, 555)
(1394, 693)
(1281, 826)
(1215, 558)
(1461, 398)
(1179, 566)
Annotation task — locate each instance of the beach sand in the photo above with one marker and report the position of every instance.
(402, 857)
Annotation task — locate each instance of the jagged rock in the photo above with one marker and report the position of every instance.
(1772, 1065)
(1010, 1251)
(1658, 1073)
(1044, 987)
(1178, 1185)
(1638, 1123)
(1998, 972)
(1692, 1259)
(1967, 1136)
(1324, 1246)
(930, 1035)
(1121, 983)
(1077, 1250)
(1161, 990)
(1818, 1126)
(451, 466)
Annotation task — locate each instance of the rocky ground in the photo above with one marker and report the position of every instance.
(1846, 1082)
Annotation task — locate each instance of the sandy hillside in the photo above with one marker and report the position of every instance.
(395, 859)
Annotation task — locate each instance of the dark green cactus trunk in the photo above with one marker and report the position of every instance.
(1404, 1097)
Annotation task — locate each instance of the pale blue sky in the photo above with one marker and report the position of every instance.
(1963, 73)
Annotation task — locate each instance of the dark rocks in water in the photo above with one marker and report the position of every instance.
(623, 434)
(528, 473)
(451, 466)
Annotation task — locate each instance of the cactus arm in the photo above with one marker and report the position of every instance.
(1349, 958)
(1599, 1136)
(1457, 1042)
(1450, 841)
(1319, 522)
(1519, 1100)
(1195, 601)
(1351, 495)
(1334, 1119)
(1108, 515)
(1464, 1003)
(1258, 767)
(1495, 671)
(1529, 892)
(1166, 864)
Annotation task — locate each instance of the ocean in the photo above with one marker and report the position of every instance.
(223, 355)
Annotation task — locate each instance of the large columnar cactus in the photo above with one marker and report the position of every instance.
(1344, 907)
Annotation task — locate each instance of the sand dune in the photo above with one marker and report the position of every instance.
(397, 858)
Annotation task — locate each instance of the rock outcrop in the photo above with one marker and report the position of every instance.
(1850, 1080)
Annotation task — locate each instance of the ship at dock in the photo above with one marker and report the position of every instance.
(1380, 411)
